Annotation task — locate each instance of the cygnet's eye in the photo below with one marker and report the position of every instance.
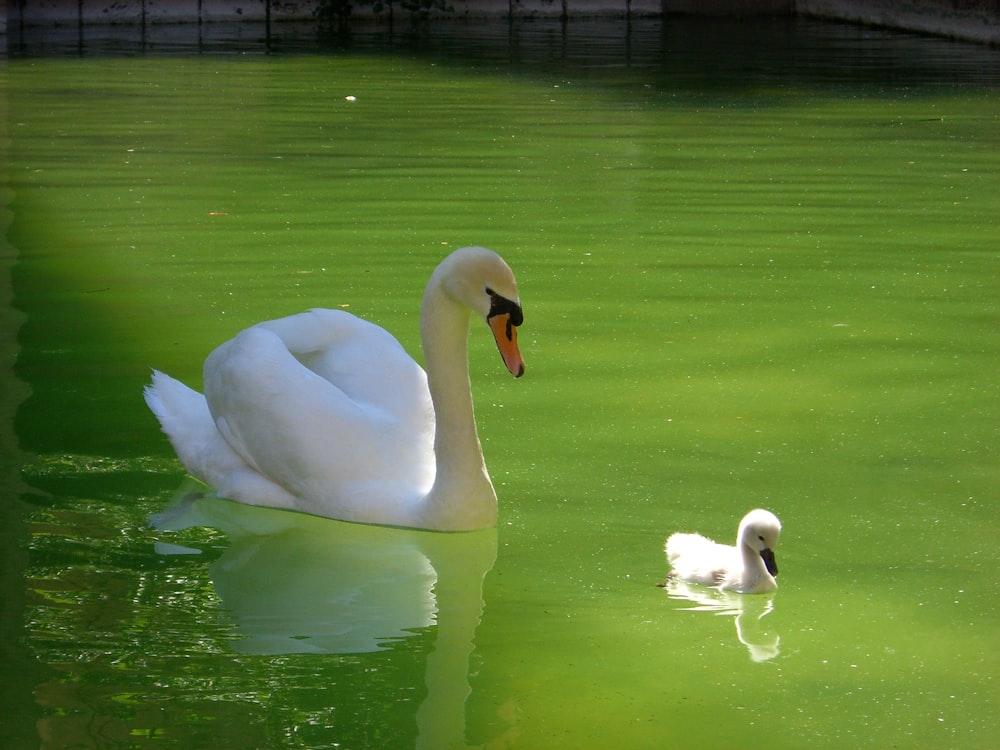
(490, 292)
(761, 537)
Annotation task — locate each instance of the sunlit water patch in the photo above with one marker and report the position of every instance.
(755, 274)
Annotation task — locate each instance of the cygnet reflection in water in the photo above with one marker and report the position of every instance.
(748, 613)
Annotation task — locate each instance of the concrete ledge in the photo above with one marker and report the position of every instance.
(729, 7)
(970, 20)
(61, 12)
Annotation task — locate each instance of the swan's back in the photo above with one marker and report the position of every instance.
(363, 360)
(324, 402)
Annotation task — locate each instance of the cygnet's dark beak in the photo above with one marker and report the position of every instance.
(769, 563)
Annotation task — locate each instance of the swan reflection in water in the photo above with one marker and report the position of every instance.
(296, 583)
(748, 612)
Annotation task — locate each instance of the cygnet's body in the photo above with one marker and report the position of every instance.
(748, 568)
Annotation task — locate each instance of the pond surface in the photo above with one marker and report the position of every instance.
(759, 267)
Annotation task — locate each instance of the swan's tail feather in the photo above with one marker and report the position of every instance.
(185, 418)
(202, 449)
(174, 404)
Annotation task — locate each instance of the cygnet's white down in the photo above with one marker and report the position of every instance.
(748, 568)
(326, 414)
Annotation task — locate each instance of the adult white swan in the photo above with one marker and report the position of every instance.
(325, 413)
(748, 568)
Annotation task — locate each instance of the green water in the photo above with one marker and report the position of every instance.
(759, 267)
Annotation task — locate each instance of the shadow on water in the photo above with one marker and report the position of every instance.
(14, 391)
(76, 323)
(687, 55)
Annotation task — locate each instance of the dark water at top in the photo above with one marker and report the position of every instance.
(759, 267)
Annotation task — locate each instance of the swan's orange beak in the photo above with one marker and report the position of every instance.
(505, 333)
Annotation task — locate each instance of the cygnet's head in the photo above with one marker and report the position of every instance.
(759, 530)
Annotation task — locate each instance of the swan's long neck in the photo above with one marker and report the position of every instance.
(462, 496)
(754, 570)
(752, 561)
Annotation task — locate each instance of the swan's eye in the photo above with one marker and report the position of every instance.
(760, 537)
(500, 305)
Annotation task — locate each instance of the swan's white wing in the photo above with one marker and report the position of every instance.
(272, 395)
(185, 419)
(183, 413)
(362, 360)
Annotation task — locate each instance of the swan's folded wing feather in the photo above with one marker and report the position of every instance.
(364, 361)
(296, 427)
(185, 418)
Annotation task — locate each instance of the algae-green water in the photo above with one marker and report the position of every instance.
(759, 268)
